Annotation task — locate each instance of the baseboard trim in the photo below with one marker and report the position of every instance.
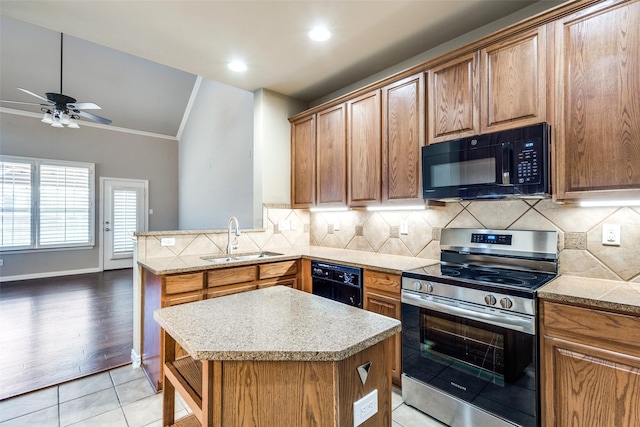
(136, 359)
(48, 274)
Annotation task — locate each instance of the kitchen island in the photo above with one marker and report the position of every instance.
(276, 357)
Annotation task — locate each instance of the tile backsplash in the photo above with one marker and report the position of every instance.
(579, 232)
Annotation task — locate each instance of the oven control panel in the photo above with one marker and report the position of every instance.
(488, 299)
(492, 239)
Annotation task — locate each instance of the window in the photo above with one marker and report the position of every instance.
(45, 203)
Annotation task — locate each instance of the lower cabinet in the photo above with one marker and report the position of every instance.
(173, 289)
(382, 295)
(590, 366)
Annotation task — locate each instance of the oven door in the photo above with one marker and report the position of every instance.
(484, 359)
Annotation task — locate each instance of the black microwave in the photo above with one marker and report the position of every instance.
(511, 163)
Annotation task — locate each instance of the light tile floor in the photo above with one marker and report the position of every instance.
(123, 397)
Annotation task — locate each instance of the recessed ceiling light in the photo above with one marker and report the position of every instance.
(237, 66)
(320, 34)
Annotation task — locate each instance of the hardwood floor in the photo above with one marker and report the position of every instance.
(59, 329)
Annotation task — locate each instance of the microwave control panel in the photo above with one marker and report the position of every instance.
(528, 156)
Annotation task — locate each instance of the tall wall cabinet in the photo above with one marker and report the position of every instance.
(597, 102)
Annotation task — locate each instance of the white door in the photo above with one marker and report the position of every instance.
(124, 211)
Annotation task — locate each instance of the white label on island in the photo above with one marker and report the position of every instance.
(365, 408)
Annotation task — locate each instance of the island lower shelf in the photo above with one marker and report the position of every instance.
(282, 393)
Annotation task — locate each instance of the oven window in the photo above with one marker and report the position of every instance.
(488, 366)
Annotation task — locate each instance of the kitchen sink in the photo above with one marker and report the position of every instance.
(240, 257)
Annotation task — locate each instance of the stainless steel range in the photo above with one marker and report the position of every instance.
(469, 346)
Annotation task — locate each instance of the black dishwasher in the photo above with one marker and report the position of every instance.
(337, 282)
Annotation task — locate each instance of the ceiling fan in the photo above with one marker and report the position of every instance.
(60, 109)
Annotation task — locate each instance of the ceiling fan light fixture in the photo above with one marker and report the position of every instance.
(64, 118)
(47, 117)
(73, 122)
(56, 120)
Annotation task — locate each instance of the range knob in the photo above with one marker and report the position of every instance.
(506, 303)
(429, 287)
(417, 285)
(490, 299)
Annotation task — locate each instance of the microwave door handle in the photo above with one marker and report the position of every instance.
(506, 164)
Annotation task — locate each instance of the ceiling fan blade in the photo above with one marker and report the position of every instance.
(22, 102)
(92, 117)
(84, 106)
(34, 94)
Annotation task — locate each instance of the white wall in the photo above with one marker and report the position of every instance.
(272, 163)
(216, 159)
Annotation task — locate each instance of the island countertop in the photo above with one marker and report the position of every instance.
(276, 323)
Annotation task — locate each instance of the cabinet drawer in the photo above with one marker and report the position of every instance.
(290, 282)
(277, 269)
(598, 328)
(183, 283)
(383, 283)
(222, 290)
(182, 298)
(230, 276)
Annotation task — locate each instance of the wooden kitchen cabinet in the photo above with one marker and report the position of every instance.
(303, 162)
(590, 367)
(513, 82)
(331, 157)
(597, 107)
(453, 97)
(382, 296)
(365, 149)
(159, 292)
(403, 131)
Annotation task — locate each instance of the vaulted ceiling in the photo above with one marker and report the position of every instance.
(139, 59)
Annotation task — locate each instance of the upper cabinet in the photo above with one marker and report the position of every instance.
(453, 99)
(403, 137)
(365, 150)
(303, 161)
(597, 102)
(513, 77)
(331, 146)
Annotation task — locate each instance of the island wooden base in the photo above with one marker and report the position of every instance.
(276, 393)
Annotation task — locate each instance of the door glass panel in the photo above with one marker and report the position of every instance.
(124, 220)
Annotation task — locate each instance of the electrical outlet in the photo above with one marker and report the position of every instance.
(284, 224)
(168, 241)
(611, 234)
(294, 224)
(365, 408)
(336, 226)
(404, 227)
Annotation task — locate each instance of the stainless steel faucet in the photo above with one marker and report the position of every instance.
(232, 245)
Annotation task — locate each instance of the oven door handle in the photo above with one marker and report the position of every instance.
(508, 321)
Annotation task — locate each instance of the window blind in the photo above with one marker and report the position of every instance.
(15, 190)
(124, 220)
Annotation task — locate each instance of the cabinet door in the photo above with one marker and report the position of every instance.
(590, 367)
(403, 133)
(365, 149)
(454, 99)
(332, 157)
(513, 78)
(390, 307)
(303, 157)
(597, 136)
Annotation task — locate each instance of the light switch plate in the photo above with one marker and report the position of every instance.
(284, 224)
(168, 241)
(365, 408)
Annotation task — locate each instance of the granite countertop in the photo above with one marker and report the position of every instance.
(597, 293)
(276, 323)
(394, 264)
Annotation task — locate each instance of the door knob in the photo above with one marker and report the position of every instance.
(107, 229)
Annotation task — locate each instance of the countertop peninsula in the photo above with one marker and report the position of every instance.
(277, 323)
